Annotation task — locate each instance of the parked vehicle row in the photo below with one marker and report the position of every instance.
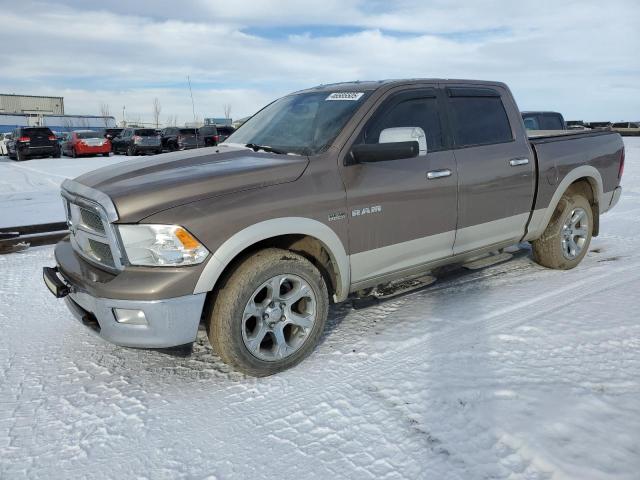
(628, 129)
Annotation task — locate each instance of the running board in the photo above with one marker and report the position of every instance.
(393, 290)
(487, 261)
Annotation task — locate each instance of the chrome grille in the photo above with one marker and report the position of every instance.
(102, 252)
(92, 236)
(91, 219)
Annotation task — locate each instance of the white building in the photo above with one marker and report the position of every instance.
(31, 104)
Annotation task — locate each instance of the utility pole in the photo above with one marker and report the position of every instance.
(124, 121)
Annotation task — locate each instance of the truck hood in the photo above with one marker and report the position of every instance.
(142, 187)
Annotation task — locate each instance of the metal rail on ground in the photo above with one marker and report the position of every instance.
(13, 239)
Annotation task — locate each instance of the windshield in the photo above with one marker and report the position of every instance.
(88, 134)
(305, 123)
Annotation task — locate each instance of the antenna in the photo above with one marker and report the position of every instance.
(193, 108)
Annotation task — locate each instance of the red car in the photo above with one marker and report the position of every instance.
(85, 142)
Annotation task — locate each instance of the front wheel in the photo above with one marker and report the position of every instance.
(566, 239)
(106, 154)
(130, 151)
(269, 313)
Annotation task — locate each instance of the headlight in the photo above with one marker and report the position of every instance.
(161, 245)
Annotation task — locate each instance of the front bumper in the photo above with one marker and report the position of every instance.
(168, 322)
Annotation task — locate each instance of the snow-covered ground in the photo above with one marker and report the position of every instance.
(512, 372)
(30, 190)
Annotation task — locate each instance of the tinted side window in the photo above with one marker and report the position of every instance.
(415, 112)
(551, 121)
(479, 121)
(619, 125)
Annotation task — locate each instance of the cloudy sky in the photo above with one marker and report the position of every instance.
(577, 57)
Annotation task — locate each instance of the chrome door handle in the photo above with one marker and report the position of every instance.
(518, 161)
(433, 174)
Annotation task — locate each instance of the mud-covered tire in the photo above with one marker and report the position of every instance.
(225, 320)
(548, 250)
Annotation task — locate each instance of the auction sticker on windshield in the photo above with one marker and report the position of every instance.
(345, 96)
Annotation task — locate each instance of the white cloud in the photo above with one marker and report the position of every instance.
(578, 57)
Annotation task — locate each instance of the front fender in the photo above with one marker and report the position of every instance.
(253, 234)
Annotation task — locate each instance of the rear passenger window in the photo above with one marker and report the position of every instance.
(416, 112)
(479, 121)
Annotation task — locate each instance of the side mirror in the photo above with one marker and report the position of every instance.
(380, 152)
(405, 134)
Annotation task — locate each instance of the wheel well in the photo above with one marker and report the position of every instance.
(588, 188)
(309, 247)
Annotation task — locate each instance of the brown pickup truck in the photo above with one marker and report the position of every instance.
(323, 195)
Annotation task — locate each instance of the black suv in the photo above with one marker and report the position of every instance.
(209, 135)
(33, 142)
(174, 138)
(134, 141)
(225, 131)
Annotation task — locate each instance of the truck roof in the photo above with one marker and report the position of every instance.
(368, 85)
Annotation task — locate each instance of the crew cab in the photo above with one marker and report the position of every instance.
(84, 143)
(29, 142)
(324, 195)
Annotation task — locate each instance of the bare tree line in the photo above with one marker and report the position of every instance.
(156, 110)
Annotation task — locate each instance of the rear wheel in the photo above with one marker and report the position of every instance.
(566, 239)
(106, 154)
(74, 153)
(269, 314)
(20, 156)
(131, 151)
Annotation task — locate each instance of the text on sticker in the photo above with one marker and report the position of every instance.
(345, 96)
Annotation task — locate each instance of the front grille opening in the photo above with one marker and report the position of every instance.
(101, 252)
(91, 219)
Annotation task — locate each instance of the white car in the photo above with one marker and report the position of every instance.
(4, 138)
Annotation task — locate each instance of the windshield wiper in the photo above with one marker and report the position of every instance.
(255, 147)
